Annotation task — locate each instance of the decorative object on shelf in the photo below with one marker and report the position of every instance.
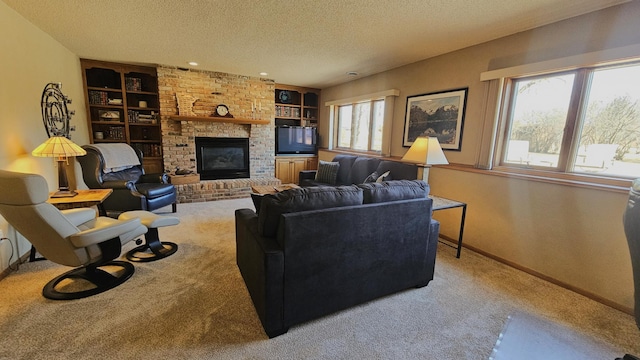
(222, 110)
(60, 147)
(256, 111)
(284, 96)
(55, 114)
(109, 115)
(425, 151)
(185, 104)
(183, 171)
(439, 114)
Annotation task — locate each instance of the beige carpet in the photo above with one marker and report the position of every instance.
(194, 305)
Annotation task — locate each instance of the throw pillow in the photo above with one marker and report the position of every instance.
(372, 178)
(257, 199)
(327, 172)
(383, 177)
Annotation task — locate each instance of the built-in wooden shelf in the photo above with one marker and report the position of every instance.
(219, 119)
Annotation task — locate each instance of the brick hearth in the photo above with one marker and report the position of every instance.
(210, 190)
(239, 93)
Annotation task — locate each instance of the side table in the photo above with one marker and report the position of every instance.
(85, 198)
(440, 203)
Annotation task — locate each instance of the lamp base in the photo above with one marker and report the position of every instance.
(64, 193)
(423, 172)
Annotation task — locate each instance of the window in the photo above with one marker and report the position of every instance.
(585, 121)
(359, 125)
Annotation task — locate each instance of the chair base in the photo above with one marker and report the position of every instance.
(152, 251)
(102, 280)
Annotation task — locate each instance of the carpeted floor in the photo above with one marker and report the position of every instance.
(194, 305)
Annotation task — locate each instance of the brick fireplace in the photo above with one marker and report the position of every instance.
(241, 94)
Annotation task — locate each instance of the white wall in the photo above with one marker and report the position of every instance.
(573, 235)
(30, 59)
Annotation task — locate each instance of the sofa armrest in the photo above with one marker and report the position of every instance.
(308, 175)
(432, 246)
(261, 263)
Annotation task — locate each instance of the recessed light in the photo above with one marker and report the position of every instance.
(264, 73)
(193, 63)
(352, 73)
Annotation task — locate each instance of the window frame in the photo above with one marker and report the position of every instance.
(388, 96)
(571, 133)
(371, 103)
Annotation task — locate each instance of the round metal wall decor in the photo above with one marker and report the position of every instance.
(55, 114)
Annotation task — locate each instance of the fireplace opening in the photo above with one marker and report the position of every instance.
(222, 158)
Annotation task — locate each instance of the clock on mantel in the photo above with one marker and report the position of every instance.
(222, 110)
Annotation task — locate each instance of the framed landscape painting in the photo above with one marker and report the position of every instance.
(439, 114)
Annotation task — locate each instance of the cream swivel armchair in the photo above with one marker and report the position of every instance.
(76, 237)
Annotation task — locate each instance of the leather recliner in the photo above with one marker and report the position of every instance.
(132, 188)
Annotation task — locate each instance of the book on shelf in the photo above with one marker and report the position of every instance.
(149, 150)
(137, 117)
(116, 133)
(98, 97)
(133, 84)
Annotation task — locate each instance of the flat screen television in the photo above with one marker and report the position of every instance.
(295, 140)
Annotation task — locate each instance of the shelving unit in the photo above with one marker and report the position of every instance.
(296, 106)
(288, 167)
(123, 106)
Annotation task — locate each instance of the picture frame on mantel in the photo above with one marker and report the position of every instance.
(439, 114)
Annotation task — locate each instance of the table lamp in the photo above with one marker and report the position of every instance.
(425, 151)
(62, 148)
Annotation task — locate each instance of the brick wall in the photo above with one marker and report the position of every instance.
(240, 94)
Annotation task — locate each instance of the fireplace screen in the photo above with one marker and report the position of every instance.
(222, 158)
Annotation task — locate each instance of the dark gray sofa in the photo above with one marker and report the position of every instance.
(355, 169)
(313, 251)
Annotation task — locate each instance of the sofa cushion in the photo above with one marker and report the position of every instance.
(346, 161)
(302, 199)
(398, 170)
(362, 167)
(394, 190)
(327, 172)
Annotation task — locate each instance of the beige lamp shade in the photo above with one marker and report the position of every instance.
(426, 151)
(60, 147)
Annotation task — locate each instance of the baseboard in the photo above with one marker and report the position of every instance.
(15, 264)
(554, 281)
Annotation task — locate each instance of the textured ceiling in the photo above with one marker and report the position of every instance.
(303, 42)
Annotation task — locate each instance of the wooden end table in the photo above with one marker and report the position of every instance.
(272, 189)
(85, 198)
(440, 203)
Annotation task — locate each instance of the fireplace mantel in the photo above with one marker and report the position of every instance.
(220, 119)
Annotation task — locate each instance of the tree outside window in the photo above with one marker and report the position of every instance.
(360, 125)
(585, 121)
